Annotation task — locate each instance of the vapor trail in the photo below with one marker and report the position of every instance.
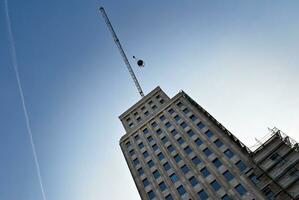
(15, 67)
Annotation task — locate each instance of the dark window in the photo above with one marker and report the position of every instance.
(146, 113)
(145, 182)
(181, 190)
(174, 132)
(136, 161)
(128, 119)
(156, 174)
(162, 101)
(155, 147)
(138, 119)
(171, 111)
(131, 125)
(160, 156)
(217, 163)
(193, 181)
(136, 137)
(202, 195)
(150, 138)
(268, 193)
(207, 151)
(154, 107)
(179, 104)
(145, 131)
(186, 110)
(205, 172)
(181, 140)
(162, 186)
(226, 197)
(141, 145)
(188, 150)
(241, 190)
(177, 118)
(241, 165)
(200, 125)
(177, 158)
(164, 139)
(132, 152)
(190, 133)
(170, 148)
(145, 154)
(185, 169)
(215, 185)
(136, 113)
(150, 163)
(168, 197)
(209, 133)
(275, 156)
(151, 195)
(162, 117)
(158, 96)
(196, 160)
(198, 142)
(228, 176)
(167, 125)
(142, 108)
(166, 166)
(150, 102)
(128, 144)
(254, 178)
(159, 131)
(229, 153)
(183, 125)
(140, 171)
(174, 178)
(218, 143)
(193, 117)
(154, 124)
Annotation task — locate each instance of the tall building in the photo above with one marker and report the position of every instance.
(176, 150)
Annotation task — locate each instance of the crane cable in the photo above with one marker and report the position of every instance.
(25, 110)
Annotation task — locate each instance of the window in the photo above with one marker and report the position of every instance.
(207, 151)
(161, 101)
(188, 150)
(226, 197)
(164, 139)
(136, 137)
(131, 125)
(181, 140)
(132, 152)
(150, 102)
(142, 108)
(254, 178)
(228, 176)
(181, 190)
(198, 142)
(174, 132)
(200, 125)
(145, 182)
(128, 144)
(138, 119)
(154, 107)
(241, 190)
(128, 119)
(150, 138)
(186, 110)
(193, 181)
(177, 118)
(268, 193)
(205, 172)
(196, 160)
(167, 125)
(241, 165)
(160, 156)
(217, 163)
(190, 133)
(145, 154)
(158, 96)
(150, 163)
(167, 166)
(202, 195)
(145, 131)
(215, 185)
(275, 157)
(159, 131)
(154, 124)
(179, 104)
(151, 195)
(170, 111)
(185, 169)
(136, 161)
(177, 158)
(183, 125)
(146, 113)
(218, 143)
(193, 117)
(162, 117)
(141, 145)
(168, 197)
(229, 153)
(156, 174)
(140, 171)
(162, 186)
(174, 178)
(170, 148)
(155, 147)
(209, 133)
(136, 113)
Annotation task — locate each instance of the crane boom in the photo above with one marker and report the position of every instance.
(121, 51)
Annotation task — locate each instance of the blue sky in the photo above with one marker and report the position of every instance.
(238, 59)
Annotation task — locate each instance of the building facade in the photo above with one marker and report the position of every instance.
(176, 150)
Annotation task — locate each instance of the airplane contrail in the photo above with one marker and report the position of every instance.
(13, 54)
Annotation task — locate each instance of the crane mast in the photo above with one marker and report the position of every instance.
(121, 51)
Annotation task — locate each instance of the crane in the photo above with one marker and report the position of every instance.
(121, 51)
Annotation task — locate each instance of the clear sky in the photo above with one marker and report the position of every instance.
(238, 59)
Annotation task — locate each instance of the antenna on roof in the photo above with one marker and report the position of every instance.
(122, 53)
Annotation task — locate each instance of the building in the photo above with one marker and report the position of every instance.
(176, 150)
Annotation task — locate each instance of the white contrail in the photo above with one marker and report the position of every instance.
(15, 67)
